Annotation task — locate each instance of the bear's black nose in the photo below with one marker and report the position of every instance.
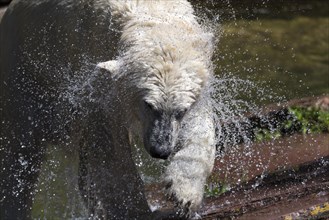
(160, 153)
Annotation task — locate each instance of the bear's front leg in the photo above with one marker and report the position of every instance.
(191, 165)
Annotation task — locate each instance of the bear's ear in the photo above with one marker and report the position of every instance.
(110, 67)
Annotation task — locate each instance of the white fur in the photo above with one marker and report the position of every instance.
(191, 165)
(172, 55)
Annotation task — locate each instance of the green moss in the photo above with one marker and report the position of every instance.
(310, 120)
(266, 135)
(216, 189)
(303, 120)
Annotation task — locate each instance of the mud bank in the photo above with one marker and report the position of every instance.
(275, 195)
(244, 163)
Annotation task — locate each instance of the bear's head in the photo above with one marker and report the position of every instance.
(163, 94)
(163, 113)
(170, 91)
(168, 97)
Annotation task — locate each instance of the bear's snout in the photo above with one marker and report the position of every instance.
(160, 153)
(161, 145)
(160, 138)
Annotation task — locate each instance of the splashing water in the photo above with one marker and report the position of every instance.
(80, 91)
(234, 100)
(231, 99)
(59, 183)
(231, 109)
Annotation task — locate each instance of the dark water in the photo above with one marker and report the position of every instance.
(281, 44)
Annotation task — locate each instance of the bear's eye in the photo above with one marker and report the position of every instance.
(152, 109)
(180, 114)
(149, 106)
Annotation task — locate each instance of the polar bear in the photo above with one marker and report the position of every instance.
(151, 65)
